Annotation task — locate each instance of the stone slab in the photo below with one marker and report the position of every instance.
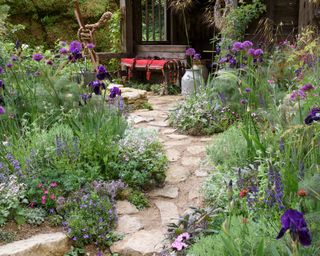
(177, 174)
(168, 191)
(53, 244)
(125, 207)
(128, 224)
(168, 211)
(173, 155)
(141, 243)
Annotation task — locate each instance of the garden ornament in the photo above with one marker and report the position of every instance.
(86, 31)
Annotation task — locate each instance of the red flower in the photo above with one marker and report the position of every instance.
(243, 193)
(301, 192)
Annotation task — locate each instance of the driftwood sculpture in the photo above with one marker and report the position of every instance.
(86, 31)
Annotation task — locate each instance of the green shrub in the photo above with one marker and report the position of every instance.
(228, 148)
(201, 114)
(35, 216)
(142, 161)
(138, 199)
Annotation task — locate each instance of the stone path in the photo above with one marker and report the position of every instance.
(145, 230)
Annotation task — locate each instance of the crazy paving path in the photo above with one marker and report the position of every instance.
(145, 230)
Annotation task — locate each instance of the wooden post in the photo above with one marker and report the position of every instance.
(306, 13)
(127, 26)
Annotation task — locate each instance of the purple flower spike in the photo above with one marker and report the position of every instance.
(75, 47)
(294, 221)
(190, 52)
(307, 87)
(299, 94)
(2, 110)
(313, 116)
(37, 56)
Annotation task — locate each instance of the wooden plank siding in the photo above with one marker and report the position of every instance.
(309, 13)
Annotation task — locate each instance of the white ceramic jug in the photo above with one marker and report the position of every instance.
(191, 79)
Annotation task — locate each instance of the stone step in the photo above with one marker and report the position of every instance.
(53, 244)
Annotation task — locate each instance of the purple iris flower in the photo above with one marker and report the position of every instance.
(190, 52)
(294, 221)
(247, 90)
(9, 65)
(2, 110)
(75, 47)
(102, 73)
(307, 87)
(233, 62)
(97, 86)
(114, 91)
(237, 46)
(63, 51)
(37, 56)
(247, 44)
(313, 116)
(197, 56)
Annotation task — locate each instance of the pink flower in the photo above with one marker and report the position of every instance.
(184, 236)
(39, 185)
(53, 184)
(52, 196)
(43, 199)
(271, 81)
(179, 246)
(46, 192)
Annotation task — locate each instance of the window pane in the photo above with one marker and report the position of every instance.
(154, 20)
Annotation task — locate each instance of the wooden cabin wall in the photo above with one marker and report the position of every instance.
(309, 14)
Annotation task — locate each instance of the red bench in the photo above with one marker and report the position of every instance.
(171, 69)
